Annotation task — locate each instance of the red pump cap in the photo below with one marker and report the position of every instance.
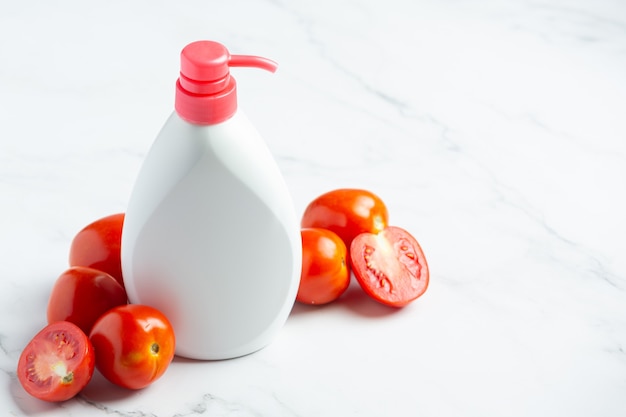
(205, 92)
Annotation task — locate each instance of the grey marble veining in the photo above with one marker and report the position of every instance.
(494, 131)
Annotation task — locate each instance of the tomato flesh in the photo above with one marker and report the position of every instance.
(390, 266)
(57, 363)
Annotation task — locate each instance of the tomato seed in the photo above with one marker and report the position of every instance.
(386, 284)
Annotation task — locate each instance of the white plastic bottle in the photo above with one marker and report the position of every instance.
(210, 236)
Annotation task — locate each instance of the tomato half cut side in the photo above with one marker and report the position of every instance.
(390, 266)
(57, 363)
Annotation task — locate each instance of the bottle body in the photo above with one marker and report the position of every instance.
(211, 238)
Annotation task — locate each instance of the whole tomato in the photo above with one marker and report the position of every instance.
(57, 363)
(325, 273)
(97, 246)
(81, 295)
(134, 345)
(347, 212)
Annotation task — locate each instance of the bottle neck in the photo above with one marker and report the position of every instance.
(206, 103)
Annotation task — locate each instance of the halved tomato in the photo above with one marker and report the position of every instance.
(390, 266)
(57, 363)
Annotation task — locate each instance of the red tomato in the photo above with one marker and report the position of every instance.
(97, 246)
(325, 274)
(57, 363)
(81, 295)
(347, 212)
(134, 345)
(390, 266)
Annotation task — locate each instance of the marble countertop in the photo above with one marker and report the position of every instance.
(494, 131)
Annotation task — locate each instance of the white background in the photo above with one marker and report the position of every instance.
(494, 131)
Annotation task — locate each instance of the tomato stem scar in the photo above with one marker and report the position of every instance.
(60, 369)
(67, 379)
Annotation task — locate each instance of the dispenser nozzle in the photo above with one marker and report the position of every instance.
(252, 61)
(205, 91)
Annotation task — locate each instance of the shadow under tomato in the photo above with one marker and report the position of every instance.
(303, 309)
(357, 301)
(354, 300)
(101, 390)
(26, 403)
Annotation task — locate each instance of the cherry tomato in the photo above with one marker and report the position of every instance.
(57, 363)
(390, 266)
(81, 295)
(134, 345)
(347, 212)
(325, 274)
(97, 246)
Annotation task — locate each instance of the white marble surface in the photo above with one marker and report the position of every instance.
(495, 132)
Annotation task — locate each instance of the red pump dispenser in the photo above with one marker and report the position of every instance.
(206, 94)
